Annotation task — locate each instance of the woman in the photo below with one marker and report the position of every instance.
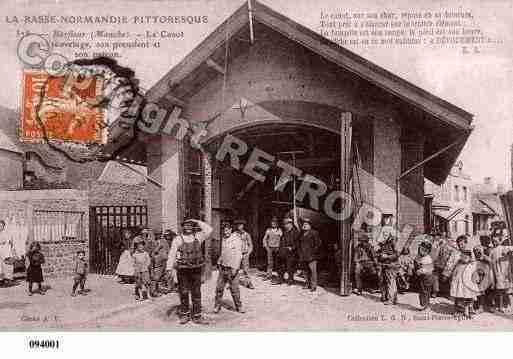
(125, 268)
(7, 256)
(35, 270)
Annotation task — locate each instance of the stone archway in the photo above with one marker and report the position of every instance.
(262, 119)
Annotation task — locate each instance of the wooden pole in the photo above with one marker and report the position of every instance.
(296, 223)
(207, 207)
(345, 226)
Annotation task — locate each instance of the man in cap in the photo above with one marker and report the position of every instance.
(187, 256)
(229, 265)
(159, 254)
(309, 246)
(365, 262)
(288, 251)
(271, 242)
(247, 249)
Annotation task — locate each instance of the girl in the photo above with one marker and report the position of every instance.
(481, 272)
(142, 264)
(7, 256)
(500, 263)
(125, 268)
(460, 291)
(34, 270)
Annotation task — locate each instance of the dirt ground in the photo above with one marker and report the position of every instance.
(111, 306)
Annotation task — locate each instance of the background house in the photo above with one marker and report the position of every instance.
(452, 203)
(64, 205)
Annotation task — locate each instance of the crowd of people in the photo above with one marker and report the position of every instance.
(477, 277)
(176, 262)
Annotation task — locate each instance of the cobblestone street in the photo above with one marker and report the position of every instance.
(111, 305)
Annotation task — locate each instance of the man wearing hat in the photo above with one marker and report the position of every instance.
(159, 254)
(288, 251)
(271, 242)
(309, 246)
(247, 249)
(187, 256)
(365, 262)
(229, 265)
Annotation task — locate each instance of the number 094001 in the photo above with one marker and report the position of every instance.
(43, 344)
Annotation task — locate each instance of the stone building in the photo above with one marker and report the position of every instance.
(45, 197)
(282, 88)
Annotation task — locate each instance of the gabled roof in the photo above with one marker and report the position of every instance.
(447, 123)
(116, 173)
(341, 56)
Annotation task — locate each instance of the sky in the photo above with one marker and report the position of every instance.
(480, 83)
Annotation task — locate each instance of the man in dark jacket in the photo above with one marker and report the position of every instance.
(309, 246)
(288, 252)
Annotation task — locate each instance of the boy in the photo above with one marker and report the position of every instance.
(424, 272)
(142, 264)
(271, 243)
(80, 274)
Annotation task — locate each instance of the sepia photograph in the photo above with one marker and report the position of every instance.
(256, 165)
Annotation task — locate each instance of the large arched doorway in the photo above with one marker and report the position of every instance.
(236, 194)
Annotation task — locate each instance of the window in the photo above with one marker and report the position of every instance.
(465, 194)
(455, 227)
(456, 193)
(467, 223)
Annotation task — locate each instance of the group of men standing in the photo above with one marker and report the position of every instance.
(291, 249)
(286, 247)
(187, 258)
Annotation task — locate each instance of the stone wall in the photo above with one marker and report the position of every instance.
(34, 206)
(116, 194)
(60, 256)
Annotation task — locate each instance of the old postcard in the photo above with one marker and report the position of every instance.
(256, 165)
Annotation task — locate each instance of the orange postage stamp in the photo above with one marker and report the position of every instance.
(62, 108)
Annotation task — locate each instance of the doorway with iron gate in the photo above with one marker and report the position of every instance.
(106, 224)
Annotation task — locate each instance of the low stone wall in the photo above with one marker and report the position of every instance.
(27, 205)
(61, 255)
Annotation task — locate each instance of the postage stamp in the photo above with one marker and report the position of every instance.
(55, 108)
